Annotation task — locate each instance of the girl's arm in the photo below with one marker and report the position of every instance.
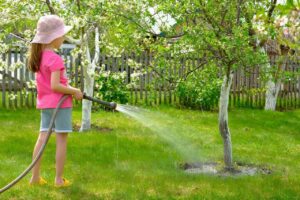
(69, 86)
(56, 86)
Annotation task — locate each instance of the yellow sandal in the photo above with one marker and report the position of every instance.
(40, 182)
(65, 184)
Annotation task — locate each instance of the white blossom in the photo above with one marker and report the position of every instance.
(12, 96)
(281, 21)
(3, 47)
(31, 84)
(15, 66)
(2, 65)
(106, 74)
(133, 63)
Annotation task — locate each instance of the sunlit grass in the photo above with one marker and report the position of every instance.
(132, 162)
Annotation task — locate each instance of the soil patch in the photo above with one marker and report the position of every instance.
(100, 129)
(213, 168)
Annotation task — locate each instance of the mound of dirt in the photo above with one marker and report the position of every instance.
(213, 168)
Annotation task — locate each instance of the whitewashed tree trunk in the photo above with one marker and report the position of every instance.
(89, 82)
(86, 104)
(272, 88)
(223, 121)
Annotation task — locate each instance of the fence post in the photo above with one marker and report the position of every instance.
(4, 82)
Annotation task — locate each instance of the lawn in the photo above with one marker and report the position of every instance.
(130, 161)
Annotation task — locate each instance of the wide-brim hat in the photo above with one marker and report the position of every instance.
(49, 28)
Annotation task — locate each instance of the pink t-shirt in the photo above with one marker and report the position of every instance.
(46, 97)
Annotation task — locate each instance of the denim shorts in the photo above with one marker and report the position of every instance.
(62, 122)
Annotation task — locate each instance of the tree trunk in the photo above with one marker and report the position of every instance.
(223, 121)
(272, 88)
(89, 83)
(86, 104)
(272, 94)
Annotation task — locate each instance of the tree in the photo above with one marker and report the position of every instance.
(224, 33)
(276, 29)
(221, 32)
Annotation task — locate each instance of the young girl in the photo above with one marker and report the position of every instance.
(52, 84)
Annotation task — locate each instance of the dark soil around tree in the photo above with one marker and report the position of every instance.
(213, 168)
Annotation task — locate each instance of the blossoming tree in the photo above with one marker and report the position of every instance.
(277, 30)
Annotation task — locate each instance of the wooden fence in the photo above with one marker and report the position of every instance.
(247, 89)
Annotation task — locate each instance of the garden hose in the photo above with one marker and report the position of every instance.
(111, 105)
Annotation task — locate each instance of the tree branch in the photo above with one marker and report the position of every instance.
(19, 37)
(78, 4)
(200, 65)
(72, 40)
(210, 20)
(51, 9)
(271, 10)
(97, 47)
(145, 29)
(238, 12)
(223, 17)
(88, 55)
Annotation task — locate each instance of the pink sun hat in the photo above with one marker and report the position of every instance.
(49, 28)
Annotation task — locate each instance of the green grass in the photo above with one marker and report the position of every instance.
(131, 162)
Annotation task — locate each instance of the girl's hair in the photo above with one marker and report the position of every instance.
(34, 58)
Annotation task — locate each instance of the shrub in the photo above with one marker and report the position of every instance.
(110, 86)
(200, 90)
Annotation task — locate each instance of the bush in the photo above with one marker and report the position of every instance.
(201, 90)
(110, 86)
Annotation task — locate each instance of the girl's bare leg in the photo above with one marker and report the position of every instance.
(36, 169)
(61, 149)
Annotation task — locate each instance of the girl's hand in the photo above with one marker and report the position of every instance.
(78, 95)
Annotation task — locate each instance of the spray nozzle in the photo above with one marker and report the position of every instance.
(111, 105)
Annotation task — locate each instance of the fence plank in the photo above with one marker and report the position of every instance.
(114, 64)
(238, 87)
(160, 88)
(164, 79)
(169, 77)
(71, 67)
(251, 86)
(234, 87)
(127, 68)
(298, 87)
(4, 82)
(146, 77)
(256, 86)
(175, 75)
(140, 61)
(9, 79)
(32, 91)
(122, 62)
(134, 58)
(294, 91)
(15, 81)
(22, 78)
(27, 90)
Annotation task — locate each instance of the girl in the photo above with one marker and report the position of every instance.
(52, 84)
